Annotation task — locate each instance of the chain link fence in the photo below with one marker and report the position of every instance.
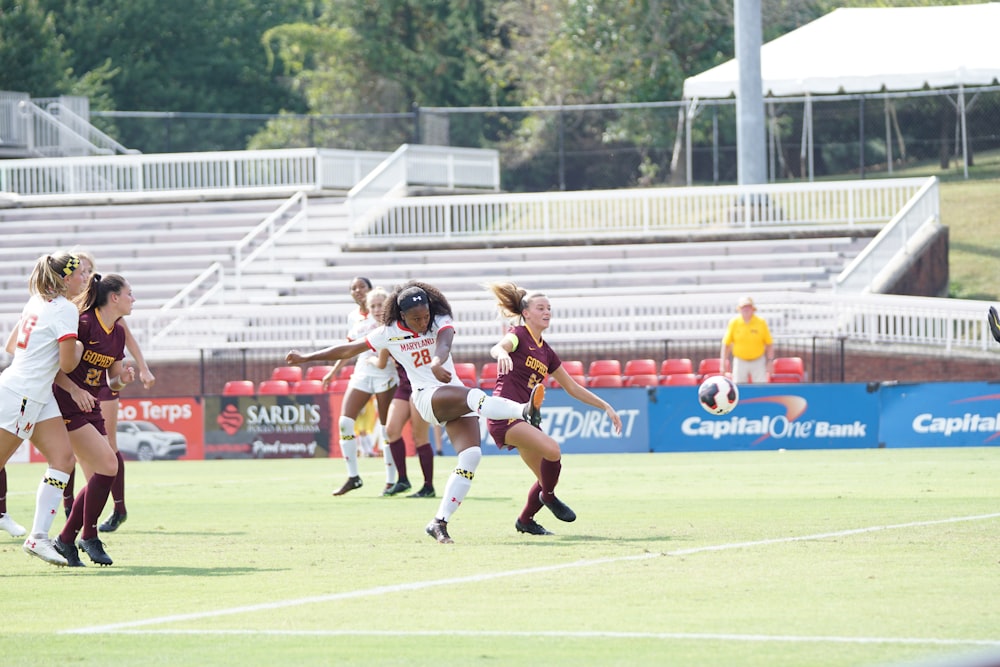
(589, 147)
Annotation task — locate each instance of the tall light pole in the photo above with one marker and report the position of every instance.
(751, 153)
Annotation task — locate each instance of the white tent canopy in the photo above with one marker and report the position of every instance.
(870, 50)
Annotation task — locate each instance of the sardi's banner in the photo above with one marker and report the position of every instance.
(267, 427)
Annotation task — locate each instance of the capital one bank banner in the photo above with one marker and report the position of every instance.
(940, 414)
(768, 416)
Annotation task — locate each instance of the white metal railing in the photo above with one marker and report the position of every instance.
(614, 213)
(83, 128)
(47, 134)
(947, 325)
(413, 165)
(263, 237)
(863, 272)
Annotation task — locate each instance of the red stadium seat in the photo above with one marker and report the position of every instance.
(605, 381)
(308, 387)
(338, 386)
(642, 380)
(287, 373)
(345, 372)
(640, 367)
(316, 372)
(488, 376)
(239, 388)
(573, 367)
(467, 373)
(679, 380)
(787, 369)
(273, 387)
(709, 367)
(675, 366)
(580, 380)
(604, 367)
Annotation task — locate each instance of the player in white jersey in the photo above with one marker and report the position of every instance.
(44, 342)
(418, 333)
(367, 380)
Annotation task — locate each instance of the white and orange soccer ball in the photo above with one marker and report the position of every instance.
(718, 395)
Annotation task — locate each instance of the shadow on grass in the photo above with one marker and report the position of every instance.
(176, 571)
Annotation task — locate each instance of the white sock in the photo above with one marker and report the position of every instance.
(48, 500)
(391, 472)
(349, 446)
(459, 482)
(493, 407)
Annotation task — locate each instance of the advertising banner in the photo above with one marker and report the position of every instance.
(777, 416)
(940, 414)
(160, 428)
(582, 429)
(264, 427)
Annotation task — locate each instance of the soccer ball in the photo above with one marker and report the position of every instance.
(718, 395)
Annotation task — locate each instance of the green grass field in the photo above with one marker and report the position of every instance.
(868, 557)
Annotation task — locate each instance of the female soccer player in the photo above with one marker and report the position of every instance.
(44, 342)
(418, 332)
(524, 360)
(106, 301)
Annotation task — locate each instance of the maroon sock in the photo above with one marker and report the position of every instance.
(75, 519)
(98, 490)
(118, 486)
(533, 505)
(550, 476)
(68, 491)
(398, 449)
(425, 453)
(3, 490)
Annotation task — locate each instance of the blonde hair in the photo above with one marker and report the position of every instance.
(49, 273)
(511, 299)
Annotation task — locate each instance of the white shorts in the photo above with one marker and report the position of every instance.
(421, 398)
(746, 371)
(372, 384)
(18, 415)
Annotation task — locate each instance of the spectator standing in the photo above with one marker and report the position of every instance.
(749, 341)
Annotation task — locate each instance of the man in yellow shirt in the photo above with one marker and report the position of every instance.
(749, 340)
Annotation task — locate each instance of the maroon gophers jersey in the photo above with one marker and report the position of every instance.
(532, 362)
(102, 346)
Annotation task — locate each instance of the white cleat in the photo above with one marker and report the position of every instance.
(40, 546)
(13, 527)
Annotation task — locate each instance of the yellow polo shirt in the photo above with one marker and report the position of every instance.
(747, 338)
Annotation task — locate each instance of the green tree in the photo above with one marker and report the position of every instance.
(34, 59)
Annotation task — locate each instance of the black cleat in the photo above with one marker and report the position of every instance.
(993, 319)
(531, 527)
(560, 509)
(69, 552)
(533, 408)
(113, 522)
(438, 529)
(426, 491)
(402, 486)
(95, 549)
(351, 484)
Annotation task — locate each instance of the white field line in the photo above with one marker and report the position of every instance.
(128, 627)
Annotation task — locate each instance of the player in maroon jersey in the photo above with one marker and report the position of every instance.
(106, 301)
(523, 361)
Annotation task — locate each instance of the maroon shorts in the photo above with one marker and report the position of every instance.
(403, 389)
(105, 394)
(73, 417)
(498, 430)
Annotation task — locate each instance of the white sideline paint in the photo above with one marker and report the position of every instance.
(128, 626)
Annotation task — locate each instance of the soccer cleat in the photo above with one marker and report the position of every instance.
(13, 527)
(351, 484)
(113, 522)
(40, 546)
(69, 552)
(560, 509)
(994, 321)
(531, 527)
(438, 529)
(95, 549)
(533, 408)
(426, 491)
(401, 486)
(388, 487)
